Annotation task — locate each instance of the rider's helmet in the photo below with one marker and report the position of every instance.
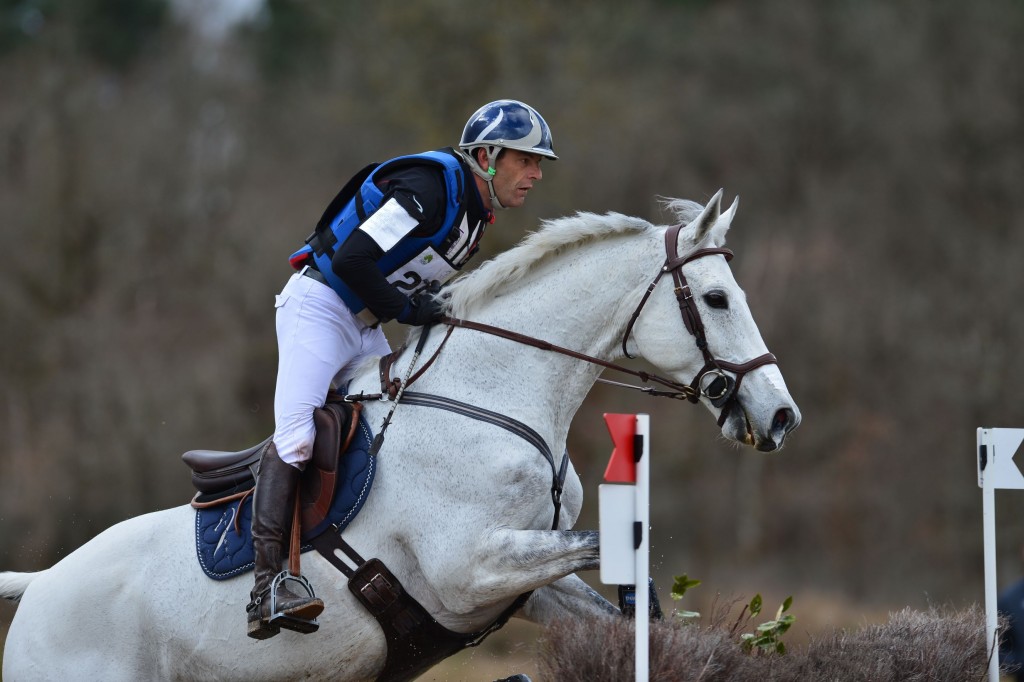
(504, 124)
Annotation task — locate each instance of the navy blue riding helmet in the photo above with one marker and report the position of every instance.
(504, 124)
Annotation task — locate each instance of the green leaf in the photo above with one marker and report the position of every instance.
(786, 604)
(755, 605)
(681, 583)
(688, 615)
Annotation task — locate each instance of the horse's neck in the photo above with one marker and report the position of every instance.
(580, 300)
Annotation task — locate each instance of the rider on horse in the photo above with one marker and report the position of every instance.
(383, 246)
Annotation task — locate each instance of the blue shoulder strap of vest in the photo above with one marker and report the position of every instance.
(363, 192)
(369, 196)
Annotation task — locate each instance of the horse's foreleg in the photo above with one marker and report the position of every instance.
(539, 556)
(511, 562)
(565, 598)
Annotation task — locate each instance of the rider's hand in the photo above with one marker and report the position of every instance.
(424, 308)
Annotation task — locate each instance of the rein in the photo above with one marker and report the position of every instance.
(679, 391)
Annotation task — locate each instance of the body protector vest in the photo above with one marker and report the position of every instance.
(411, 263)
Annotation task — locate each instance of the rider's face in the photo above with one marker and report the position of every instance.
(515, 173)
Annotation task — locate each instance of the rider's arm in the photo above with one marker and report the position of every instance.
(413, 205)
(355, 262)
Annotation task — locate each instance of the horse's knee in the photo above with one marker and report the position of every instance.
(463, 593)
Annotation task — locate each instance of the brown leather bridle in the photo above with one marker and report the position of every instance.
(722, 389)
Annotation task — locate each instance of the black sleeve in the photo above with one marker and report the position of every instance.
(420, 190)
(355, 262)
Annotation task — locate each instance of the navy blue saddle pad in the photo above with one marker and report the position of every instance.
(224, 533)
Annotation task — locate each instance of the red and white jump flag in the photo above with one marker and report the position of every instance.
(625, 520)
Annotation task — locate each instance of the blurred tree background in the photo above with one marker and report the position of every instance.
(159, 161)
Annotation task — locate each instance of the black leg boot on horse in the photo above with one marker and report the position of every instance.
(273, 605)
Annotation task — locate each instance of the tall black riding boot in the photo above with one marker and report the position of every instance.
(272, 508)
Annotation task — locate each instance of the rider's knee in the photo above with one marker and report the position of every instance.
(295, 449)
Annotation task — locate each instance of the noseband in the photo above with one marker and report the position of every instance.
(711, 381)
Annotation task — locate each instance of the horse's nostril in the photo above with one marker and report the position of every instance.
(783, 420)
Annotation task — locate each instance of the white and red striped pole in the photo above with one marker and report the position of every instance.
(625, 521)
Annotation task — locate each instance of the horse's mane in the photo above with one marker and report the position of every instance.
(551, 239)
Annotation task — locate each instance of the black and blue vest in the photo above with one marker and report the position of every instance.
(412, 262)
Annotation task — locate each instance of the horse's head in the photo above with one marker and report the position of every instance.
(697, 327)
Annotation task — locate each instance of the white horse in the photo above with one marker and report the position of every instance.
(461, 511)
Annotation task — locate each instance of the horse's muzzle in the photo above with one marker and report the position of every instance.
(784, 421)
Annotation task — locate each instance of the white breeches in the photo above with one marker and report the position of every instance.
(320, 344)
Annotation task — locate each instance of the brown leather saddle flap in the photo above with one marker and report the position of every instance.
(336, 424)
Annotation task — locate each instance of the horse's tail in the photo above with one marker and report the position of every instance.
(13, 585)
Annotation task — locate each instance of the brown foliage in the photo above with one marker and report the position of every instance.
(912, 647)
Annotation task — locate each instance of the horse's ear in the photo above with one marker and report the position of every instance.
(722, 226)
(707, 218)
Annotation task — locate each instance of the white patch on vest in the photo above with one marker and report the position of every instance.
(389, 224)
(428, 266)
(467, 239)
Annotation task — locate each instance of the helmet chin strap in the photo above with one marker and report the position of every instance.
(487, 175)
(490, 188)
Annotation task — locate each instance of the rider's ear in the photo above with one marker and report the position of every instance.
(481, 157)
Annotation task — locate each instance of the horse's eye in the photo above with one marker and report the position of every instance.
(716, 299)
